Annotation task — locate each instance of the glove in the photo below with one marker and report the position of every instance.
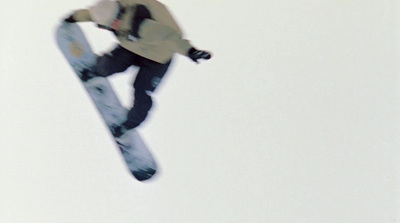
(70, 19)
(195, 54)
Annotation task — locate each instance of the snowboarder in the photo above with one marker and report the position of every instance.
(148, 37)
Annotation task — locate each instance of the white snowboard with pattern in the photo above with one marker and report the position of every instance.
(76, 49)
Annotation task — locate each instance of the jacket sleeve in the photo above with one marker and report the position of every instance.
(82, 15)
(155, 33)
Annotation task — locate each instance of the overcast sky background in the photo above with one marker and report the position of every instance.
(294, 120)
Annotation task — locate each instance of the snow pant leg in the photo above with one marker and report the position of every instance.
(118, 60)
(149, 76)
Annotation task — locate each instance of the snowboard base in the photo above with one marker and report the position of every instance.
(76, 49)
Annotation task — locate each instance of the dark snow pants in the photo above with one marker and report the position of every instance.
(147, 79)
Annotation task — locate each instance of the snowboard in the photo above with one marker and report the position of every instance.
(76, 49)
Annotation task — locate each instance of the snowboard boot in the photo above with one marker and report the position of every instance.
(195, 54)
(119, 130)
(86, 74)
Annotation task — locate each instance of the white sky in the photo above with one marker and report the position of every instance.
(294, 120)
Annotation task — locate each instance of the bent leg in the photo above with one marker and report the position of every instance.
(147, 80)
(118, 60)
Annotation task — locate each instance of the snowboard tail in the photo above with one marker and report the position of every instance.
(76, 49)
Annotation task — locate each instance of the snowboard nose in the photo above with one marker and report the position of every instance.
(143, 175)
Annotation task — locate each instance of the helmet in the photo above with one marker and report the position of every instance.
(104, 12)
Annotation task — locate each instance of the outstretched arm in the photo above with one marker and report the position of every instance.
(156, 33)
